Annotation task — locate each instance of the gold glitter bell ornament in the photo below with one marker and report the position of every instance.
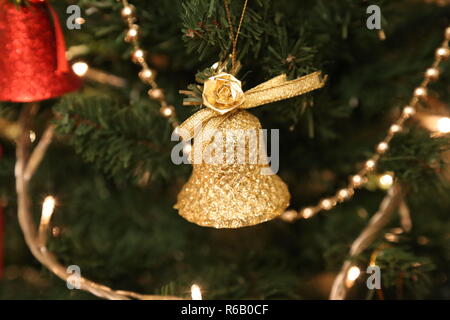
(232, 184)
(232, 195)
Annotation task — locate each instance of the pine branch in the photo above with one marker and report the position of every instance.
(121, 141)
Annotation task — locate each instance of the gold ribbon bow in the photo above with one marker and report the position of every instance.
(228, 89)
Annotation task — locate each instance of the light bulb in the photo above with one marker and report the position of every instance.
(47, 209)
(443, 125)
(32, 136)
(80, 68)
(386, 180)
(80, 20)
(196, 293)
(353, 273)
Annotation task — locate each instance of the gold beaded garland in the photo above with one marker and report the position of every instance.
(289, 215)
(307, 213)
(432, 74)
(382, 147)
(420, 92)
(345, 194)
(395, 128)
(409, 111)
(138, 56)
(156, 94)
(132, 33)
(356, 180)
(128, 11)
(370, 164)
(327, 204)
(146, 74)
(167, 111)
(443, 53)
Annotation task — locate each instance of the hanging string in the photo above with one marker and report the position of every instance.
(230, 23)
(234, 39)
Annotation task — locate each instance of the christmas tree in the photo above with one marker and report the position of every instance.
(364, 152)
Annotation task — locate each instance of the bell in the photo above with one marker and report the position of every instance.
(33, 65)
(225, 191)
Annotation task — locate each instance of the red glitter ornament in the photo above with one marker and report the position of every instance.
(33, 65)
(2, 239)
(2, 230)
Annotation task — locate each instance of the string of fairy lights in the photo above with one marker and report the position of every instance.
(47, 211)
(356, 181)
